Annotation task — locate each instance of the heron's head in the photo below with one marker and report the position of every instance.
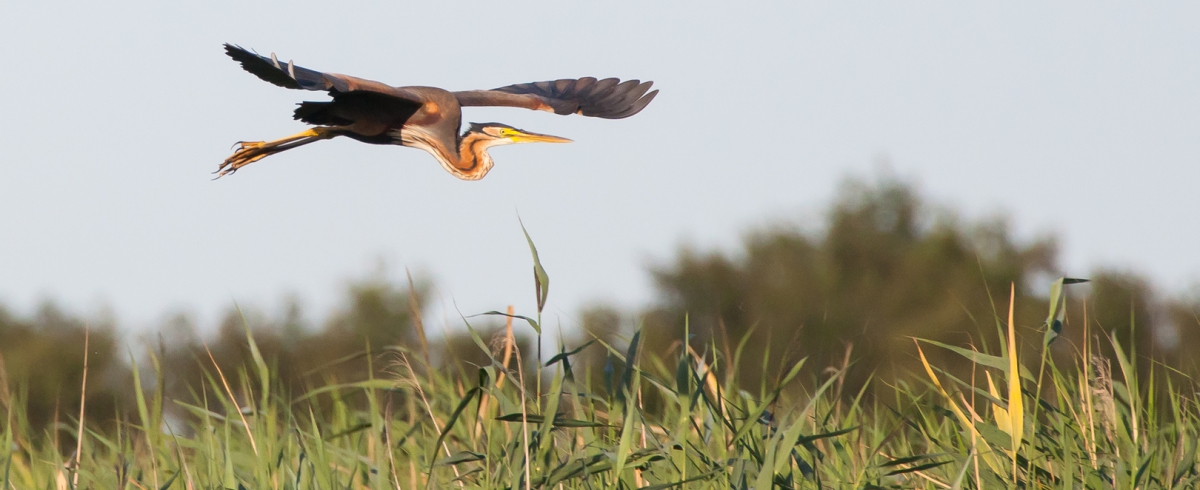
(502, 134)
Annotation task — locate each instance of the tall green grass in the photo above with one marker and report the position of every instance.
(648, 420)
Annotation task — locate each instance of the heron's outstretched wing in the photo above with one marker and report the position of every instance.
(288, 75)
(609, 98)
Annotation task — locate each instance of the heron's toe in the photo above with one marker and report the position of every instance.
(248, 145)
(249, 152)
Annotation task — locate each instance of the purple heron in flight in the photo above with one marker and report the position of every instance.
(428, 118)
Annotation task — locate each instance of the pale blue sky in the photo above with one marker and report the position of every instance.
(1081, 119)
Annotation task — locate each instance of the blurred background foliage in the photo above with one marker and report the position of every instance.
(885, 267)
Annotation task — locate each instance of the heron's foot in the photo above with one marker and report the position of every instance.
(252, 151)
(248, 152)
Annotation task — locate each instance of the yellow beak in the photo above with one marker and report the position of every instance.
(524, 137)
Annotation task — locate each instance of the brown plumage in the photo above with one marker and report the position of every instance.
(428, 118)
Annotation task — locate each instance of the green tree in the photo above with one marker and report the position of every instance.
(887, 267)
(42, 360)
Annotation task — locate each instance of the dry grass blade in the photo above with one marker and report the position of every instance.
(233, 399)
(414, 306)
(87, 334)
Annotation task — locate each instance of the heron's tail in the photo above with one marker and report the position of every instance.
(319, 114)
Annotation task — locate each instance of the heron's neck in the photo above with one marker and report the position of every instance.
(470, 161)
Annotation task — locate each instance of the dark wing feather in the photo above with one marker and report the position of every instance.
(283, 74)
(609, 98)
(288, 75)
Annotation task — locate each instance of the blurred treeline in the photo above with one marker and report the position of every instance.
(373, 333)
(884, 268)
(889, 267)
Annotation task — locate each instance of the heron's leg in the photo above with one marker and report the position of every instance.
(252, 151)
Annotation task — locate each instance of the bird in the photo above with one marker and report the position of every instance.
(428, 118)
